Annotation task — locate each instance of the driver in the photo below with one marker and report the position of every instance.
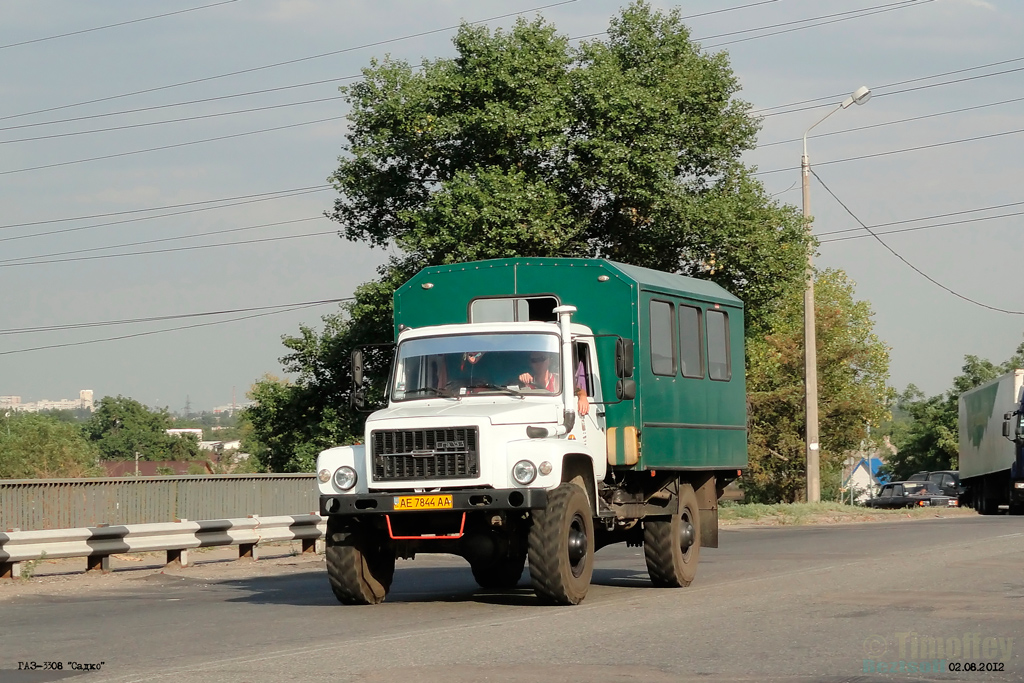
(540, 376)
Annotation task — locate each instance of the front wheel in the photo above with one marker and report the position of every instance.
(562, 547)
(672, 546)
(360, 568)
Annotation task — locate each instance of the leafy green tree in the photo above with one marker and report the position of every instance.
(41, 446)
(524, 145)
(121, 427)
(928, 437)
(853, 366)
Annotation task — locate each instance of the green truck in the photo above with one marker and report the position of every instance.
(542, 408)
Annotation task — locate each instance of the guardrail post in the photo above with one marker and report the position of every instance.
(178, 557)
(100, 563)
(247, 551)
(10, 570)
(308, 546)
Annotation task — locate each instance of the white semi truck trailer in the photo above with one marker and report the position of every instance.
(992, 445)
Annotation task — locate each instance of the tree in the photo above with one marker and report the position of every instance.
(523, 145)
(121, 427)
(928, 438)
(853, 366)
(41, 446)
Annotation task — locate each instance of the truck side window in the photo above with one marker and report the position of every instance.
(663, 343)
(718, 346)
(691, 356)
(581, 356)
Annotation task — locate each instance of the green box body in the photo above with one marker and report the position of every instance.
(684, 423)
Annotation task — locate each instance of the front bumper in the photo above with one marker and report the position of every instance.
(462, 501)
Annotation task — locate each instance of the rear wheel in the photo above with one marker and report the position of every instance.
(672, 546)
(360, 567)
(562, 547)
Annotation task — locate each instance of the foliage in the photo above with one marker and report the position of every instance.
(928, 438)
(523, 145)
(853, 366)
(121, 427)
(41, 446)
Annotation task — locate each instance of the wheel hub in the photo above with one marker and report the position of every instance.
(578, 543)
(686, 538)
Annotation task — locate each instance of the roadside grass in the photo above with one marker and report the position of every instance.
(795, 514)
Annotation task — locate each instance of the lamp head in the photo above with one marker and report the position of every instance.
(860, 96)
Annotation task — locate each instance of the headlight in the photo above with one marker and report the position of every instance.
(344, 477)
(324, 476)
(524, 472)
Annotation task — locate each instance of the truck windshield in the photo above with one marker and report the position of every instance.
(470, 364)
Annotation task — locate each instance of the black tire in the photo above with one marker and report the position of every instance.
(672, 546)
(503, 573)
(562, 547)
(359, 569)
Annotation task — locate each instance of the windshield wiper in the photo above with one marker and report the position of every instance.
(437, 392)
(495, 387)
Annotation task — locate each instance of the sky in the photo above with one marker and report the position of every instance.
(205, 137)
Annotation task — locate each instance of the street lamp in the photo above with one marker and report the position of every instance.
(859, 96)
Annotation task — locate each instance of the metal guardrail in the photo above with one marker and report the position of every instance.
(97, 544)
(34, 504)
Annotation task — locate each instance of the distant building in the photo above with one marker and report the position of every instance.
(863, 480)
(198, 433)
(83, 402)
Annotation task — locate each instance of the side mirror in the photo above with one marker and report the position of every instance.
(624, 359)
(625, 389)
(1007, 416)
(357, 367)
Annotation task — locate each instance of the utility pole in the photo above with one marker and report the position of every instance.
(810, 349)
(859, 96)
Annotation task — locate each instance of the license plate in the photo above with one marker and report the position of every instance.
(443, 502)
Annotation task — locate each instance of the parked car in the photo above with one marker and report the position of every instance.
(948, 481)
(908, 494)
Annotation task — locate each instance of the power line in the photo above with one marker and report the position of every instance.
(908, 263)
(830, 100)
(166, 121)
(892, 123)
(899, 151)
(178, 144)
(321, 82)
(167, 251)
(317, 188)
(182, 104)
(692, 16)
(147, 218)
(277, 64)
(29, 259)
(921, 227)
(170, 329)
(928, 218)
(858, 13)
(123, 23)
(161, 318)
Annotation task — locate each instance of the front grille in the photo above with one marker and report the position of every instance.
(411, 454)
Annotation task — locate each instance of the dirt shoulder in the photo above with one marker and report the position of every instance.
(800, 514)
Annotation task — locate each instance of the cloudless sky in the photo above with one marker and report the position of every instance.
(61, 82)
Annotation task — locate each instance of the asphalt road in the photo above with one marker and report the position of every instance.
(772, 604)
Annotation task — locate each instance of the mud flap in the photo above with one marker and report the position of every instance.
(705, 486)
